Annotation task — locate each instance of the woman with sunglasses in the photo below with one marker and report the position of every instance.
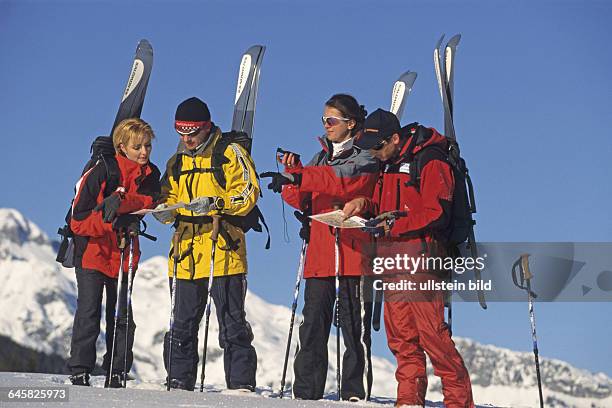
(336, 175)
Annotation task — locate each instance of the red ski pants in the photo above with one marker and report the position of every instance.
(413, 329)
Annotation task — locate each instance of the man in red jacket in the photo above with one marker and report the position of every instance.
(414, 320)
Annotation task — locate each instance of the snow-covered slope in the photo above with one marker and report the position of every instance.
(38, 299)
(148, 395)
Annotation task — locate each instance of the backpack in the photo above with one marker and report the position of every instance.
(250, 221)
(102, 151)
(461, 224)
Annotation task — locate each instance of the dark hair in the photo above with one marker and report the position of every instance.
(350, 108)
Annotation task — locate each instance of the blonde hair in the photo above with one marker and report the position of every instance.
(131, 130)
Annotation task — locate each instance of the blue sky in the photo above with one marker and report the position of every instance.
(533, 102)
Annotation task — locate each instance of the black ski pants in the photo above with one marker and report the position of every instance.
(235, 334)
(86, 327)
(310, 365)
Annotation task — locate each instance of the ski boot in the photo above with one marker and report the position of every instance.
(180, 385)
(241, 387)
(80, 379)
(116, 380)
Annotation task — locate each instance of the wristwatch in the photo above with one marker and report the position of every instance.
(218, 203)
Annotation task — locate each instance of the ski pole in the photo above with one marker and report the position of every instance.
(128, 306)
(214, 236)
(296, 294)
(337, 256)
(389, 217)
(119, 284)
(175, 255)
(449, 306)
(376, 314)
(525, 278)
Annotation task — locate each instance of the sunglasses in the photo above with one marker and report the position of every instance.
(332, 120)
(380, 144)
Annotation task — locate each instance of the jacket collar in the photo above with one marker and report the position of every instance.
(342, 150)
(130, 170)
(425, 137)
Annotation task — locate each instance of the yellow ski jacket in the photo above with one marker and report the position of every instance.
(196, 179)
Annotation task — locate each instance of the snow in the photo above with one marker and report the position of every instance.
(140, 394)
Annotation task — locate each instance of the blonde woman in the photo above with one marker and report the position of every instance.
(100, 216)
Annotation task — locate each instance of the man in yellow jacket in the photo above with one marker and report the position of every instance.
(211, 182)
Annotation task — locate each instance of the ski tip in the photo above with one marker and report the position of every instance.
(144, 43)
(404, 75)
(439, 43)
(144, 49)
(407, 77)
(454, 41)
(255, 49)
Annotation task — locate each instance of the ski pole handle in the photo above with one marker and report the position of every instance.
(122, 241)
(524, 274)
(216, 226)
(175, 245)
(515, 279)
(525, 267)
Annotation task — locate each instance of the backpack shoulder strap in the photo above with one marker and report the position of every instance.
(218, 158)
(176, 168)
(421, 159)
(113, 174)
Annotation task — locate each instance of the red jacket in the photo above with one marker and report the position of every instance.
(95, 241)
(327, 183)
(427, 208)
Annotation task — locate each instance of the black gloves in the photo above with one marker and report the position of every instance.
(109, 207)
(305, 221)
(129, 223)
(281, 179)
(381, 225)
(374, 227)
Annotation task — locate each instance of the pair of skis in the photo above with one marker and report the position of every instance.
(444, 64)
(243, 121)
(136, 88)
(444, 67)
(246, 90)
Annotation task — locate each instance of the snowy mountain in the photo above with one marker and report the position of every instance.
(38, 300)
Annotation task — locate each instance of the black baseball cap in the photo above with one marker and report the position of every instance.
(379, 125)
